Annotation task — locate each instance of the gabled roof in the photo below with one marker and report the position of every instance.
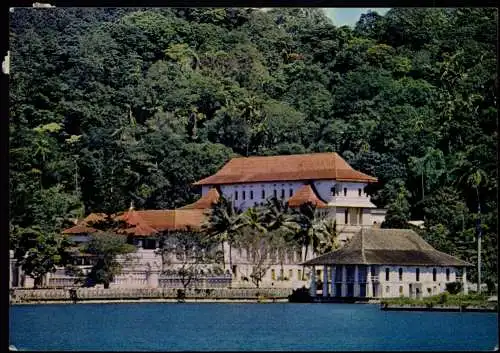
(83, 227)
(304, 195)
(151, 222)
(205, 202)
(313, 166)
(79, 229)
(387, 247)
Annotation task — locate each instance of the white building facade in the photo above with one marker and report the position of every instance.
(385, 263)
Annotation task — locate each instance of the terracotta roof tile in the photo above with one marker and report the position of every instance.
(387, 247)
(205, 202)
(313, 166)
(304, 195)
(79, 229)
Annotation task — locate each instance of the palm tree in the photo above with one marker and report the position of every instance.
(254, 219)
(223, 224)
(474, 176)
(307, 235)
(327, 235)
(277, 215)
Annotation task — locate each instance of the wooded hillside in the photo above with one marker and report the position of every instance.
(109, 106)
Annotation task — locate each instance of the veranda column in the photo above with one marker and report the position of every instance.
(325, 281)
(332, 285)
(464, 281)
(356, 282)
(344, 280)
(312, 287)
(369, 283)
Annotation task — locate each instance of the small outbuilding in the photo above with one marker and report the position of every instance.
(385, 263)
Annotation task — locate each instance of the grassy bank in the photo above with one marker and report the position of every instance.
(446, 299)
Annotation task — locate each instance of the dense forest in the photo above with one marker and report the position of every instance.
(109, 106)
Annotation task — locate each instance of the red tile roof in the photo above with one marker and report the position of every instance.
(205, 202)
(149, 222)
(79, 229)
(304, 195)
(313, 166)
(83, 227)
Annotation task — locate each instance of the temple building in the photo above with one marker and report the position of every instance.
(385, 263)
(323, 179)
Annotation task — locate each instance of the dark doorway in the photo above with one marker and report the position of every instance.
(350, 290)
(338, 289)
(362, 290)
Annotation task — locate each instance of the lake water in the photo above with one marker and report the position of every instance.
(216, 326)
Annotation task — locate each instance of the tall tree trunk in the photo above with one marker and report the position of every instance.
(223, 256)
(423, 187)
(478, 242)
(304, 266)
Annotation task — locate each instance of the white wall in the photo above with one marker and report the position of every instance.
(323, 188)
(409, 276)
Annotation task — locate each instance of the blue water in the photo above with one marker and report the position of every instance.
(207, 326)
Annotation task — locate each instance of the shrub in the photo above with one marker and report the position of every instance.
(454, 287)
(443, 298)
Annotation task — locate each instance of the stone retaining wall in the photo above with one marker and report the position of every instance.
(30, 295)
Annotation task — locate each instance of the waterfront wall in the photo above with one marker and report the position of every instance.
(34, 295)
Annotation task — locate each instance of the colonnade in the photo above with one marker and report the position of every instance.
(338, 285)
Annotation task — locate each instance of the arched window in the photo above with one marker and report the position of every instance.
(417, 274)
(447, 274)
(236, 195)
(251, 194)
(243, 194)
(387, 273)
(434, 274)
(263, 196)
(400, 274)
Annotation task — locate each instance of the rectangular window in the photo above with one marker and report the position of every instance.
(318, 274)
(275, 194)
(273, 275)
(236, 195)
(263, 196)
(359, 192)
(282, 193)
(243, 194)
(282, 275)
(251, 194)
(447, 274)
(299, 275)
(387, 274)
(434, 274)
(345, 191)
(333, 190)
(346, 216)
(290, 192)
(400, 274)
(417, 274)
(360, 216)
(354, 216)
(290, 274)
